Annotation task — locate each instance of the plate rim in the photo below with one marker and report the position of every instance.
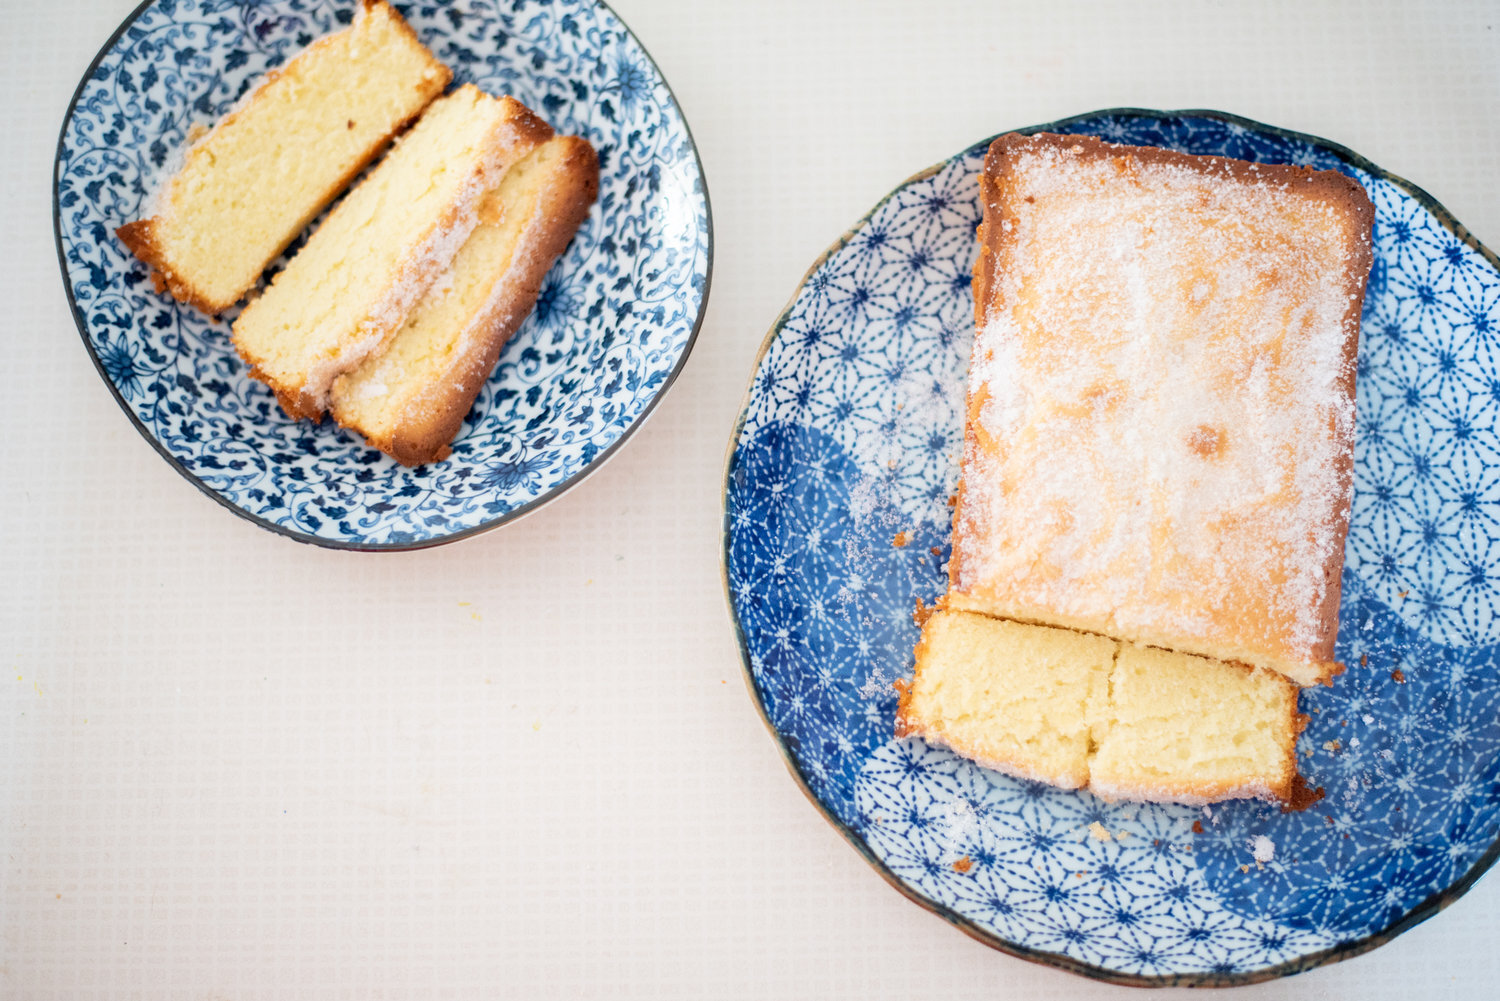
(1428, 907)
(356, 545)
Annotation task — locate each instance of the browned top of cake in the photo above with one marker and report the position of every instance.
(1161, 399)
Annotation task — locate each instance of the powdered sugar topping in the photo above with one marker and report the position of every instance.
(1167, 390)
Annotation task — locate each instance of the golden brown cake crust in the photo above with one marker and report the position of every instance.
(997, 230)
(432, 418)
(139, 236)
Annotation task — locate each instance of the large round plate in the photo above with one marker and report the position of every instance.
(850, 434)
(617, 316)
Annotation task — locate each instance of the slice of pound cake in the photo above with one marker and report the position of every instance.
(253, 182)
(1016, 698)
(361, 272)
(1075, 710)
(410, 399)
(1159, 440)
(1184, 729)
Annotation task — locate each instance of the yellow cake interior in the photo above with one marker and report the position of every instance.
(1074, 709)
(253, 183)
(1014, 697)
(1181, 727)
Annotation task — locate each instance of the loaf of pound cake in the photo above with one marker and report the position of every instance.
(1159, 439)
(249, 186)
(355, 281)
(410, 398)
(1156, 473)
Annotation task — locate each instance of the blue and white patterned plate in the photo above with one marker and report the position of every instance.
(850, 434)
(617, 317)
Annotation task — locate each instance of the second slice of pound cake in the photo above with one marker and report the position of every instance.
(1075, 710)
(360, 273)
(254, 181)
(1159, 438)
(410, 399)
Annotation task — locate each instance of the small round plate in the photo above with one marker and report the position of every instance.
(850, 435)
(616, 319)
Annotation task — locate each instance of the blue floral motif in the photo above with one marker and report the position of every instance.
(852, 432)
(617, 315)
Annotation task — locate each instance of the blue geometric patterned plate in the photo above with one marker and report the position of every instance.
(617, 316)
(850, 434)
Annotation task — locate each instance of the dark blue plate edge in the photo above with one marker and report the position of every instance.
(384, 547)
(1347, 950)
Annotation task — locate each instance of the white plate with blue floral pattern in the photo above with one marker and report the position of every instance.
(850, 434)
(616, 319)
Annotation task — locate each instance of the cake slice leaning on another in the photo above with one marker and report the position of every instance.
(254, 182)
(410, 399)
(361, 272)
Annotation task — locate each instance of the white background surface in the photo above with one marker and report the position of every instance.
(234, 767)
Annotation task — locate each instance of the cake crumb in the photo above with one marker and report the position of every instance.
(900, 540)
(922, 612)
(1398, 677)
(1244, 868)
(1402, 594)
(1197, 827)
(953, 500)
(1099, 831)
(963, 865)
(1303, 795)
(1364, 660)
(1333, 746)
(936, 551)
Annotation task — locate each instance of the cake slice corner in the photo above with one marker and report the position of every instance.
(254, 181)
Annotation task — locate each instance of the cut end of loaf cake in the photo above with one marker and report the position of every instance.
(361, 272)
(1076, 710)
(409, 400)
(258, 177)
(1160, 423)
(1012, 697)
(1185, 729)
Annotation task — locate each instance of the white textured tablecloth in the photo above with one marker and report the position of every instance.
(233, 767)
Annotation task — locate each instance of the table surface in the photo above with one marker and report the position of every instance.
(235, 767)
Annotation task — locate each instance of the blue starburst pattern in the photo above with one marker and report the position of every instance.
(615, 321)
(851, 437)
